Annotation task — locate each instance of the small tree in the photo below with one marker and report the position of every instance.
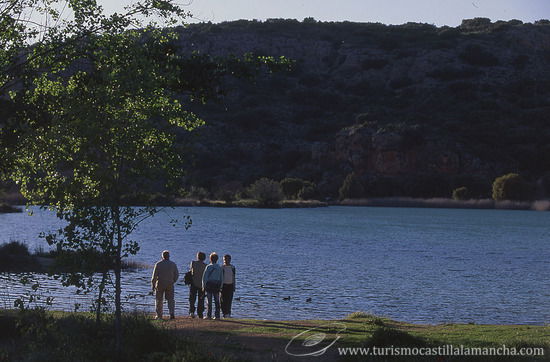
(511, 187)
(461, 193)
(476, 24)
(110, 134)
(266, 191)
(308, 192)
(228, 191)
(198, 193)
(351, 188)
(291, 187)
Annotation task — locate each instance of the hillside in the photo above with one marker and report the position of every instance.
(413, 110)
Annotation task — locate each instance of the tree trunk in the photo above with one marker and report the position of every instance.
(118, 268)
(99, 297)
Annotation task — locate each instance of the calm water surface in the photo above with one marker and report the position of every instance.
(417, 265)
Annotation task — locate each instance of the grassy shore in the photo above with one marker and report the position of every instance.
(255, 340)
(248, 203)
(438, 202)
(538, 205)
(16, 257)
(7, 208)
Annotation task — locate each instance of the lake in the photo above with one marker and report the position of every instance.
(415, 265)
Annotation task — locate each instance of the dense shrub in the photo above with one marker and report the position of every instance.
(6, 208)
(41, 336)
(476, 25)
(511, 187)
(461, 193)
(228, 192)
(449, 73)
(475, 54)
(351, 188)
(478, 187)
(308, 192)
(14, 248)
(425, 185)
(266, 191)
(401, 82)
(294, 188)
(463, 90)
(198, 193)
(383, 187)
(374, 63)
(385, 337)
(13, 256)
(515, 22)
(521, 61)
(291, 187)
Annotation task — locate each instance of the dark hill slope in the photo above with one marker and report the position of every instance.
(414, 110)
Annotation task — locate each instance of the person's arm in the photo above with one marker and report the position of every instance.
(154, 277)
(234, 278)
(222, 279)
(176, 273)
(204, 278)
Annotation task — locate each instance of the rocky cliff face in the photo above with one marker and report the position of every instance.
(445, 106)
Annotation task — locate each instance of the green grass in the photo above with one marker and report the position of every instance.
(36, 335)
(75, 336)
(364, 330)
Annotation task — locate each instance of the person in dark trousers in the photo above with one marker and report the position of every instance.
(165, 275)
(197, 268)
(229, 286)
(212, 285)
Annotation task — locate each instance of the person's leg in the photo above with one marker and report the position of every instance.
(171, 301)
(200, 302)
(217, 304)
(223, 299)
(192, 296)
(229, 300)
(209, 304)
(159, 301)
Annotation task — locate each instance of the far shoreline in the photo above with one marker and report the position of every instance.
(399, 202)
(448, 203)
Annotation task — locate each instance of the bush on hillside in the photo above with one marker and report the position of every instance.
(266, 191)
(351, 188)
(476, 25)
(511, 187)
(461, 193)
(198, 193)
(295, 188)
(291, 186)
(308, 192)
(475, 54)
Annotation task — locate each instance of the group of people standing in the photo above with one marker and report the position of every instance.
(216, 283)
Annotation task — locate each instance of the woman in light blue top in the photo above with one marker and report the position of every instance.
(212, 280)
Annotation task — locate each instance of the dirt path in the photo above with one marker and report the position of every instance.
(242, 339)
